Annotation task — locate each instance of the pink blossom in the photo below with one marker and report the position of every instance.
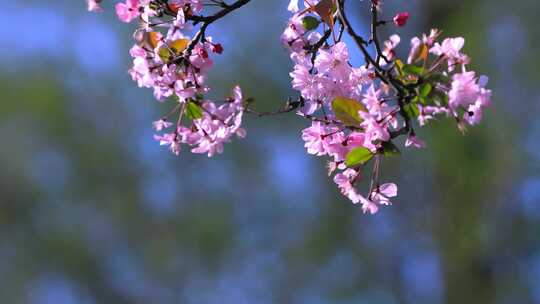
(389, 47)
(161, 124)
(127, 11)
(369, 206)
(171, 140)
(293, 6)
(414, 141)
(344, 181)
(316, 139)
(382, 194)
(334, 60)
(94, 6)
(465, 91)
(416, 45)
(450, 49)
(308, 84)
(373, 129)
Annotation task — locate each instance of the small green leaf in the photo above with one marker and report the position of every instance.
(310, 23)
(399, 67)
(358, 156)
(193, 110)
(389, 149)
(164, 54)
(438, 78)
(346, 110)
(425, 90)
(412, 110)
(413, 69)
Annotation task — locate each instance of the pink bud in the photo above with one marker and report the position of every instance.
(217, 48)
(401, 19)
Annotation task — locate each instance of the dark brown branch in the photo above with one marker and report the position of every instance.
(374, 37)
(206, 21)
(228, 8)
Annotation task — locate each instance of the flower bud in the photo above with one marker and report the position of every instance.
(401, 19)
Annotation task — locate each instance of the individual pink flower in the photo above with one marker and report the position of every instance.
(344, 181)
(308, 84)
(416, 45)
(373, 103)
(338, 145)
(373, 129)
(473, 115)
(451, 50)
(414, 141)
(450, 47)
(316, 138)
(334, 61)
(389, 47)
(464, 91)
(382, 194)
(94, 6)
(127, 11)
(293, 6)
(171, 140)
(161, 124)
(369, 206)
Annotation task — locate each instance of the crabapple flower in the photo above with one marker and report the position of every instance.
(94, 6)
(162, 124)
(390, 45)
(127, 11)
(464, 91)
(293, 6)
(369, 206)
(315, 138)
(451, 50)
(414, 141)
(383, 193)
(345, 182)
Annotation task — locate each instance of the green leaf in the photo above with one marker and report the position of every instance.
(193, 110)
(412, 110)
(413, 69)
(310, 23)
(438, 78)
(389, 149)
(425, 90)
(358, 156)
(399, 67)
(346, 110)
(164, 54)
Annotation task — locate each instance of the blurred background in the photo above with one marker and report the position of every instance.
(92, 210)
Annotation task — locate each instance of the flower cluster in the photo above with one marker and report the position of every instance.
(357, 112)
(174, 65)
